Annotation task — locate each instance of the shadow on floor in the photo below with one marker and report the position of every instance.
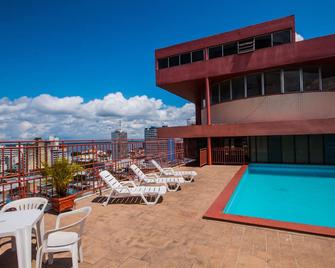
(125, 200)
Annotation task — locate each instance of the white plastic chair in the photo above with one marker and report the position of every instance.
(129, 188)
(153, 178)
(60, 240)
(27, 204)
(188, 175)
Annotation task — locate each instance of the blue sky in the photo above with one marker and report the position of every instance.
(74, 68)
(91, 48)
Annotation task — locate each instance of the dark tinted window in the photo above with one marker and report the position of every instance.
(301, 149)
(215, 94)
(263, 41)
(262, 148)
(291, 80)
(197, 55)
(215, 52)
(328, 77)
(225, 91)
(329, 141)
(316, 149)
(272, 82)
(274, 148)
(173, 61)
(254, 85)
(163, 63)
(185, 58)
(238, 88)
(311, 78)
(287, 144)
(281, 37)
(230, 49)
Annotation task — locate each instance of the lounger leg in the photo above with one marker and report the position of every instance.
(150, 202)
(175, 189)
(107, 201)
(39, 260)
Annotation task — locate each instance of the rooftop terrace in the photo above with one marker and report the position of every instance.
(173, 234)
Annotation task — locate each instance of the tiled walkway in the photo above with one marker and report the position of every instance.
(173, 234)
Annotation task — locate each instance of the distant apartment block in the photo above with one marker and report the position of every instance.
(119, 144)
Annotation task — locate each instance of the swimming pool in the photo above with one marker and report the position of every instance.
(294, 197)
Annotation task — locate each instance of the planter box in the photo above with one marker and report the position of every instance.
(63, 203)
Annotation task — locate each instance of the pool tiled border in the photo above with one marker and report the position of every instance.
(215, 212)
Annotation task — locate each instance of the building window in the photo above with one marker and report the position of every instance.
(316, 149)
(163, 63)
(311, 78)
(272, 83)
(291, 80)
(328, 77)
(215, 52)
(197, 55)
(301, 149)
(262, 149)
(185, 58)
(230, 49)
(225, 91)
(215, 94)
(174, 61)
(282, 37)
(238, 88)
(263, 41)
(254, 85)
(287, 144)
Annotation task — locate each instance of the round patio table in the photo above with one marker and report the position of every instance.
(20, 224)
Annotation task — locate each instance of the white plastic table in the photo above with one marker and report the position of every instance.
(20, 224)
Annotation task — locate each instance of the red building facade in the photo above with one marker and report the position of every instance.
(258, 89)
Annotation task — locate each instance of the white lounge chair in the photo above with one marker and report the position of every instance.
(153, 178)
(61, 239)
(129, 188)
(188, 175)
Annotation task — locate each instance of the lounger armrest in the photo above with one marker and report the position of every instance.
(168, 169)
(126, 183)
(123, 188)
(151, 175)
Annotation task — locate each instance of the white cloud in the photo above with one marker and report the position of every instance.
(298, 37)
(71, 117)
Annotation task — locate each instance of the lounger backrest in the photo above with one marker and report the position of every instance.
(110, 180)
(157, 166)
(138, 172)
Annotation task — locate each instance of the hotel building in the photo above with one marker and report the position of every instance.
(258, 89)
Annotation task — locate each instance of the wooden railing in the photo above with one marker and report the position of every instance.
(228, 156)
(203, 157)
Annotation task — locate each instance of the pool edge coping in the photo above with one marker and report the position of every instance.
(215, 212)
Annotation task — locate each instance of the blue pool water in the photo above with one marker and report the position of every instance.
(291, 193)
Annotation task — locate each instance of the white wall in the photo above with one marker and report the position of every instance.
(291, 106)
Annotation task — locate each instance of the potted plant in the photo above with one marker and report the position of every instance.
(60, 174)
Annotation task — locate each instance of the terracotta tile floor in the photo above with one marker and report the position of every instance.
(173, 234)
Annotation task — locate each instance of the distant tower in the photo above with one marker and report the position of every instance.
(119, 143)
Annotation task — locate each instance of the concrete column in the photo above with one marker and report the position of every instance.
(209, 121)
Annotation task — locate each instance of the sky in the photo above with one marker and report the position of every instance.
(73, 68)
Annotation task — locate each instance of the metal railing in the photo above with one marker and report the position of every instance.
(229, 156)
(22, 162)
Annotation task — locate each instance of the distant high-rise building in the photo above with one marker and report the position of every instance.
(162, 148)
(119, 144)
(150, 133)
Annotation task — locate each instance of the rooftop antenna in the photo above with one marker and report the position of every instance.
(120, 125)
